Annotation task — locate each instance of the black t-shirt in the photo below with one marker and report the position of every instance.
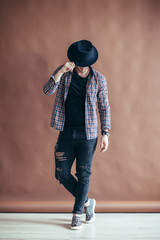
(75, 102)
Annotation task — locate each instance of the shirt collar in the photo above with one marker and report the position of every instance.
(91, 71)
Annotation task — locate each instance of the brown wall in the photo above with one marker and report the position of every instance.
(35, 35)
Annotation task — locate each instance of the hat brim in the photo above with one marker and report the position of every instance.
(85, 63)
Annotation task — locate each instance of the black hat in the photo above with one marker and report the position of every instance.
(82, 53)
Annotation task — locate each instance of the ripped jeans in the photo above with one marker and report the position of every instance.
(72, 144)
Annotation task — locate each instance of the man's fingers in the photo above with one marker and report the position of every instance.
(103, 146)
(103, 149)
(70, 66)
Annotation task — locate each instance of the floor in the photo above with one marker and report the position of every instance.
(107, 226)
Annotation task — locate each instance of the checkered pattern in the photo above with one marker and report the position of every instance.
(96, 93)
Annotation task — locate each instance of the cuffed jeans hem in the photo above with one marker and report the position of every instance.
(77, 212)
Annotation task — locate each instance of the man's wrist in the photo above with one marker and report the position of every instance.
(61, 71)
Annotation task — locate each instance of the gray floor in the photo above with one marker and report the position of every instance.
(108, 226)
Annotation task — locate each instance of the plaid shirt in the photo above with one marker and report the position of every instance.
(96, 92)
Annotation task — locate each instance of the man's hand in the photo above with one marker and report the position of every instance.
(104, 143)
(68, 66)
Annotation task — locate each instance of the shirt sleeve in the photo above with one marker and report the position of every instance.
(51, 86)
(103, 104)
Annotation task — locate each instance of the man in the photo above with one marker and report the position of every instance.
(79, 88)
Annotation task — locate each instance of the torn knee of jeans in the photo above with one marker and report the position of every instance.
(59, 169)
(83, 172)
(82, 167)
(60, 156)
(59, 172)
(59, 153)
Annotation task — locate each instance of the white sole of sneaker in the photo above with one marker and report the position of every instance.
(92, 220)
(76, 228)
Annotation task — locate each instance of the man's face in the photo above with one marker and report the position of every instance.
(82, 69)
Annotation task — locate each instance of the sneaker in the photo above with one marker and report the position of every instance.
(76, 222)
(90, 211)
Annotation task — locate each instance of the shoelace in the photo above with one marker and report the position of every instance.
(76, 220)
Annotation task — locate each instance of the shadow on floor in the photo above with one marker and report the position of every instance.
(65, 223)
